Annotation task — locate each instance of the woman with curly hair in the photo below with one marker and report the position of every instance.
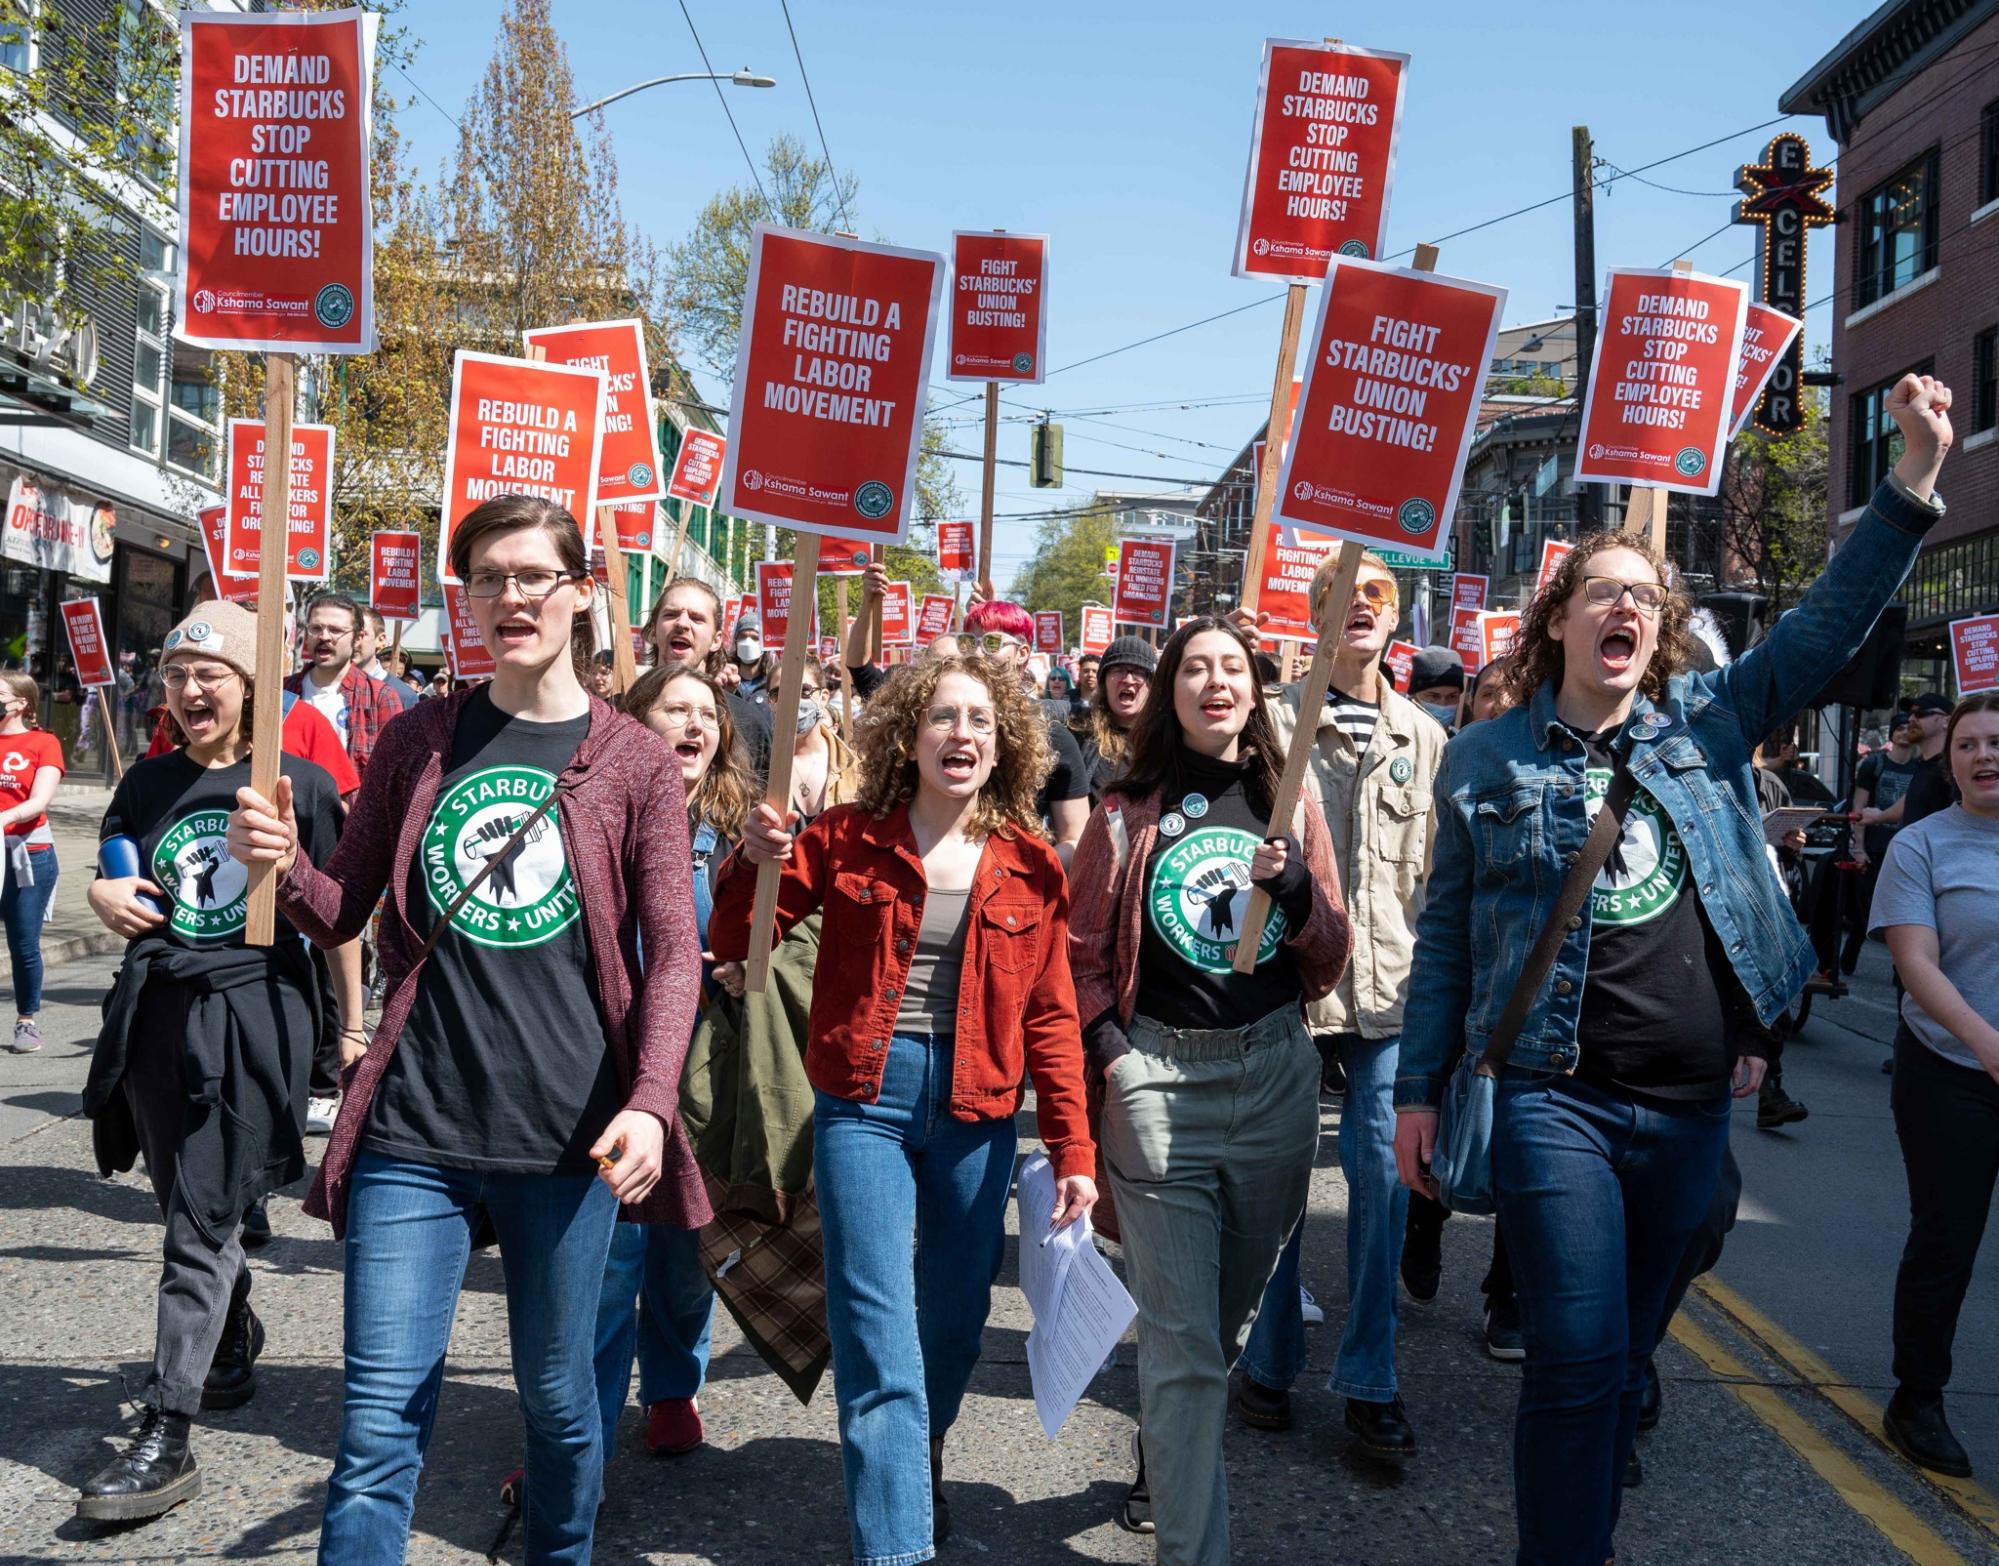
(1613, 1100)
(950, 914)
(1211, 1083)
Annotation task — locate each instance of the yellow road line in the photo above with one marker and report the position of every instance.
(1895, 1522)
(1977, 1503)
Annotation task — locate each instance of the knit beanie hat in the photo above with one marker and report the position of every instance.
(1434, 666)
(1133, 651)
(216, 629)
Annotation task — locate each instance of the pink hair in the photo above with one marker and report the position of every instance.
(997, 614)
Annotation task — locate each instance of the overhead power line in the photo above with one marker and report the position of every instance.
(723, 99)
(811, 103)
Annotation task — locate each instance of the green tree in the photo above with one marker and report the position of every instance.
(1067, 566)
(1773, 500)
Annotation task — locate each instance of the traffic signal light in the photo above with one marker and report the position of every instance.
(1044, 456)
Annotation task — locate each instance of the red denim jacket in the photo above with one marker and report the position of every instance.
(1016, 1007)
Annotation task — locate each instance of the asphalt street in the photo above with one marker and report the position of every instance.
(1756, 1460)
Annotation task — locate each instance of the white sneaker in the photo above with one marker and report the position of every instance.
(1309, 1308)
(319, 1113)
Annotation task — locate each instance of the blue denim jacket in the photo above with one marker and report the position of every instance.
(1510, 819)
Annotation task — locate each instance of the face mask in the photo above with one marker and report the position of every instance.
(1448, 716)
(749, 649)
(808, 714)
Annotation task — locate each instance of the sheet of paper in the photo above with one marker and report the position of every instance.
(1780, 823)
(1080, 1308)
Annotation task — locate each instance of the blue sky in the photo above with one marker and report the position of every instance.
(1121, 130)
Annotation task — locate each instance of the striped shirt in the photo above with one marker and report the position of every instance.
(1354, 718)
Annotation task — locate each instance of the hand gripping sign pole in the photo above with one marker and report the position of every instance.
(790, 676)
(1332, 621)
(267, 695)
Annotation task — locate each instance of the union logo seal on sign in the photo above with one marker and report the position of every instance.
(210, 891)
(333, 305)
(308, 559)
(1198, 892)
(1690, 461)
(638, 474)
(1023, 362)
(1416, 516)
(1647, 871)
(529, 898)
(1354, 247)
(874, 499)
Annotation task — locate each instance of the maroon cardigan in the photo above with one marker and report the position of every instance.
(624, 828)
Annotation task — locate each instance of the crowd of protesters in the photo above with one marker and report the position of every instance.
(1026, 885)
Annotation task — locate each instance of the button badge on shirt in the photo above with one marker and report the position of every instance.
(1172, 823)
(1399, 769)
(1195, 806)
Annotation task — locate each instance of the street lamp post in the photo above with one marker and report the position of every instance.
(742, 78)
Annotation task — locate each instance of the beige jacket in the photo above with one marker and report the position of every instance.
(1379, 812)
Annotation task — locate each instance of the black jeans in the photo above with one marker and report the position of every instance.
(1426, 1224)
(1947, 1119)
(324, 1081)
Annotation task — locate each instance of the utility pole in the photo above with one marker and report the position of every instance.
(1588, 510)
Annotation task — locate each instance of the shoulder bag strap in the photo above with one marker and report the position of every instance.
(1575, 887)
(492, 863)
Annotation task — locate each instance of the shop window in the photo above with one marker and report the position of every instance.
(1876, 444)
(1985, 380)
(1899, 225)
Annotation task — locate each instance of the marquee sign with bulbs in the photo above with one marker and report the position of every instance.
(1784, 194)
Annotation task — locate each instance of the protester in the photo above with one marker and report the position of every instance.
(1374, 757)
(1487, 696)
(950, 914)
(750, 674)
(1937, 905)
(1124, 676)
(1437, 684)
(1209, 1121)
(31, 766)
(440, 685)
(601, 677)
(1058, 697)
(820, 759)
(554, 847)
(1612, 1111)
(1929, 789)
(683, 628)
(368, 643)
(201, 1064)
(1088, 671)
(1882, 780)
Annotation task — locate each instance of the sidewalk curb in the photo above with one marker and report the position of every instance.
(73, 948)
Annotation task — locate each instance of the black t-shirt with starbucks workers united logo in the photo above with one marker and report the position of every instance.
(178, 811)
(503, 1063)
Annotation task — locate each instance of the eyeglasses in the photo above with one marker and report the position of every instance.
(327, 633)
(805, 691)
(176, 675)
(679, 714)
(944, 719)
(532, 584)
(1375, 594)
(998, 642)
(1646, 597)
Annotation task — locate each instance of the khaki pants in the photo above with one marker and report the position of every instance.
(1208, 1138)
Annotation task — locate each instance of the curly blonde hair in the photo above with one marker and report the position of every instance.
(1537, 656)
(1022, 756)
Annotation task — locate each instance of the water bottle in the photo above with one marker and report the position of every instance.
(117, 858)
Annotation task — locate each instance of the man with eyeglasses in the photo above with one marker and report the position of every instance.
(333, 681)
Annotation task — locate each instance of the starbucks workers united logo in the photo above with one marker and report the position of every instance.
(208, 888)
(529, 898)
(1647, 870)
(1198, 893)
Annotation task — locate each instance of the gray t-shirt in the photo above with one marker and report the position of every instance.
(1943, 872)
(930, 993)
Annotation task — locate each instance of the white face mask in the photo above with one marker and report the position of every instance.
(749, 649)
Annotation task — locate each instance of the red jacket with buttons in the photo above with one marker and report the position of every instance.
(1016, 1006)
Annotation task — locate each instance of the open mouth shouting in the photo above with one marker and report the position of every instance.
(516, 630)
(959, 763)
(1617, 649)
(197, 717)
(1218, 706)
(679, 644)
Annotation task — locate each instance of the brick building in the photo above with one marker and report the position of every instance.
(1911, 96)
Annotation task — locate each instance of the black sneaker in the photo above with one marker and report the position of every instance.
(1502, 1329)
(1261, 1407)
(1422, 1263)
(1918, 1430)
(1775, 1107)
(154, 1474)
(1135, 1516)
(256, 1227)
(1382, 1429)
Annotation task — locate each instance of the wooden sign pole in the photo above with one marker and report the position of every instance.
(679, 540)
(1266, 478)
(873, 610)
(986, 482)
(618, 567)
(846, 675)
(110, 733)
(783, 724)
(1305, 736)
(267, 694)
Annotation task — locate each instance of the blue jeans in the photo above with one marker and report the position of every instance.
(914, 1208)
(409, 1234)
(1599, 1195)
(658, 1300)
(1377, 1214)
(22, 910)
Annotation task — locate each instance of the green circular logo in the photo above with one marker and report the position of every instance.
(308, 559)
(874, 499)
(1647, 870)
(1198, 893)
(1690, 461)
(1416, 516)
(333, 305)
(1023, 362)
(529, 898)
(208, 888)
(639, 474)
(1354, 247)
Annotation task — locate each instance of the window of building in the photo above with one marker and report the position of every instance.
(1988, 163)
(149, 366)
(1876, 443)
(17, 42)
(1985, 380)
(194, 419)
(1899, 225)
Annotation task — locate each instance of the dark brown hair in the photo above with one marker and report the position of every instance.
(1537, 656)
(509, 514)
(726, 791)
(885, 737)
(1156, 738)
(1984, 701)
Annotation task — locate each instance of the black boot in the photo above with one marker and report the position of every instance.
(1652, 1400)
(153, 1475)
(1917, 1428)
(940, 1509)
(232, 1376)
(1775, 1107)
(1382, 1429)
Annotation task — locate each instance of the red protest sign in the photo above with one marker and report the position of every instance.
(1660, 394)
(88, 650)
(1289, 564)
(637, 528)
(954, 548)
(934, 616)
(773, 603)
(1392, 388)
(470, 657)
(395, 574)
(1048, 633)
(1552, 551)
(1498, 630)
(1465, 639)
(628, 461)
(1766, 338)
(214, 524)
(698, 467)
(276, 227)
(311, 523)
(1401, 658)
(1144, 582)
(999, 328)
(1468, 587)
(519, 426)
(1974, 653)
(898, 614)
(1096, 636)
(844, 556)
(1321, 158)
(833, 356)
(732, 611)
